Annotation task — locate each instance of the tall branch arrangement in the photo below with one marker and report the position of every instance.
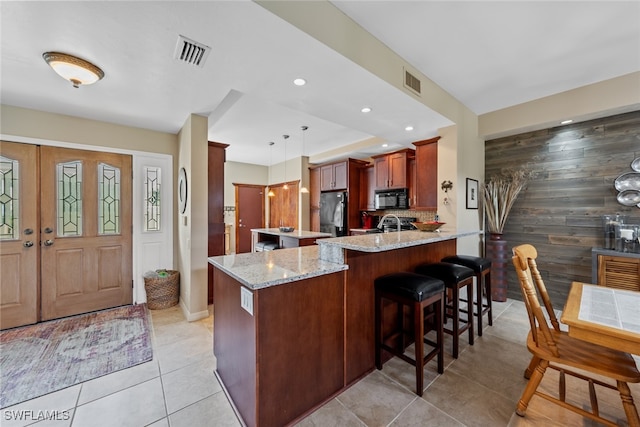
(499, 194)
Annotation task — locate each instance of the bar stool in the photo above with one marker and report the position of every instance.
(425, 295)
(455, 277)
(482, 269)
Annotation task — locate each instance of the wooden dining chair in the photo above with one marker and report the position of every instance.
(552, 348)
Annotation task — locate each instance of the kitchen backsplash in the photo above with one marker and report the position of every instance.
(421, 216)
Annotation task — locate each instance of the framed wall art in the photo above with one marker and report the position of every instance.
(472, 193)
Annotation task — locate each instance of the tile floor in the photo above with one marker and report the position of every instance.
(178, 388)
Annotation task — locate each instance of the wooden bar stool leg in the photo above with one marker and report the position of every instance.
(418, 324)
(479, 302)
(440, 333)
(487, 287)
(456, 319)
(470, 310)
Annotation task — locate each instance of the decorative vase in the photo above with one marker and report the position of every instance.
(496, 251)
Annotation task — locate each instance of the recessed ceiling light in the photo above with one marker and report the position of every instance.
(566, 122)
(385, 145)
(299, 82)
(366, 109)
(408, 128)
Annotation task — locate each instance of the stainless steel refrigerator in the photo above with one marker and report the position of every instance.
(333, 213)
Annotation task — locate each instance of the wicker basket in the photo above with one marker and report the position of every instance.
(163, 292)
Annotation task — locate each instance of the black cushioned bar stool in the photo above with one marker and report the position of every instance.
(482, 269)
(455, 277)
(425, 296)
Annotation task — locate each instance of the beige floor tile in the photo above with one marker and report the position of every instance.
(190, 384)
(496, 364)
(423, 414)
(184, 353)
(468, 401)
(103, 386)
(332, 413)
(376, 399)
(23, 413)
(135, 406)
(215, 411)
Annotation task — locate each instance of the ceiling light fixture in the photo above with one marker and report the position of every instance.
(409, 128)
(77, 71)
(366, 109)
(385, 145)
(304, 189)
(285, 186)
(270, 193)
(299, 82)
(566, 122)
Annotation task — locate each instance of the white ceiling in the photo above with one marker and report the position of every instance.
(489, 55)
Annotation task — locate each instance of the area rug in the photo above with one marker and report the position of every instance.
(39, 359)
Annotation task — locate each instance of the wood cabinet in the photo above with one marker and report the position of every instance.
(425, 186)
(334, 176)
(314, 199)
(367, 188)
(216, 156)
(391, 170)
(620, 272)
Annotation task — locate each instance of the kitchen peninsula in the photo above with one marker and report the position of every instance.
(295, 327)
(285, 239)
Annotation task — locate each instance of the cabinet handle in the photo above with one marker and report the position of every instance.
(48, 242)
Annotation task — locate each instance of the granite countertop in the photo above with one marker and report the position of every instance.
(264, 269)
(380, 242)
(296, 234)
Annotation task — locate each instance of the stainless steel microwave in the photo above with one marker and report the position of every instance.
(392, 199)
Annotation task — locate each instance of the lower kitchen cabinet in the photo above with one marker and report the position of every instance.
(616, 269)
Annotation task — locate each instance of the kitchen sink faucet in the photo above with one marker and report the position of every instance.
(381, 223)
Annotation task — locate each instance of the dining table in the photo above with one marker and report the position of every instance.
(606, 316)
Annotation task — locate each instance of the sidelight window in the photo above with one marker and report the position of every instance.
(152, 205)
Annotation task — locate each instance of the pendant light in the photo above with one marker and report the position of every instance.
(304, 189)
(270, 193)
(285, 186)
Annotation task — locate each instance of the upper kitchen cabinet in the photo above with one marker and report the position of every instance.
(425, 188)
(334, 176)
(392, 170)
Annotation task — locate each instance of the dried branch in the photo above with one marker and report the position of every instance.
(499, 194)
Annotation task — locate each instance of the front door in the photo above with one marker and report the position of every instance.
(86, 231)
(249, 214)
(19, 235)
(65, 243)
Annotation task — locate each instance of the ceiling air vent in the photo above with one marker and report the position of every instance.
(411, 82)
(191, 52)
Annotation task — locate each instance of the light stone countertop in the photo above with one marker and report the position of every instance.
(380, 242)
(296, 234)
(264, 269)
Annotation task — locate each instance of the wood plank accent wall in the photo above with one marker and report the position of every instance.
(560, 211)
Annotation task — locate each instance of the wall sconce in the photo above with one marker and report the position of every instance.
(446, 186)
(76, 70)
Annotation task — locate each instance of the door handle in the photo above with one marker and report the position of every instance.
(27, 244)
(48, 230)
(48, 242)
